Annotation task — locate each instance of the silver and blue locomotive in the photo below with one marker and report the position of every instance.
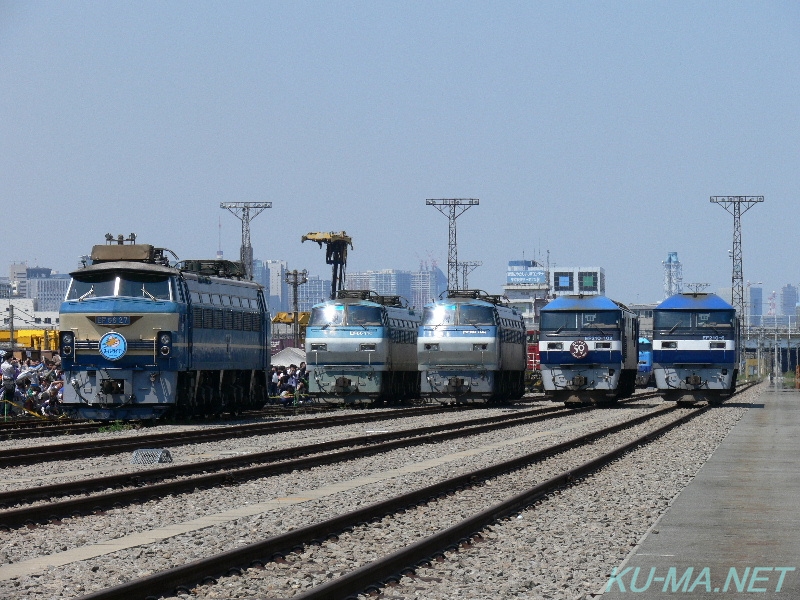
(362, 347)
(471, 348)
(588, 349)
(141, 338)
(695, 347)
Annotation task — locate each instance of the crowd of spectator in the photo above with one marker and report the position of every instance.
(31, 385)
(288, 385)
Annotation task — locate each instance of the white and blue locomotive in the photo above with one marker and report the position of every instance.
(588, 349)
(140, 338)
(695, 347)
(361, 347)
(471, 348)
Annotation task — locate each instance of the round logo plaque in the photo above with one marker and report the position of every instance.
(113, 346)
(579, 349)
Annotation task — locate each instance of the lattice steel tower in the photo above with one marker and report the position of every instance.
(242, 210)
(452, 208)
(468, 267)
(736, 205)
(673, 275)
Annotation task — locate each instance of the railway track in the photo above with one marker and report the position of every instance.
(144, 485)
(183, 579)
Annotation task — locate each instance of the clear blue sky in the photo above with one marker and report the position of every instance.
(594, 130)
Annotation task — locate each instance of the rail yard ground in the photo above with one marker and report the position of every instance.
(565, 545)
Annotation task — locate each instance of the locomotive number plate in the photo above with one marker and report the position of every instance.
(112, 320)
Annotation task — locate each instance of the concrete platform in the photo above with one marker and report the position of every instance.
(734, 532)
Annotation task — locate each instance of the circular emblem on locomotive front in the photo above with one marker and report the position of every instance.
(113, 346)
(579, 349)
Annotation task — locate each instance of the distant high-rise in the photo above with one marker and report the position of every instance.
(313, 291)
(788, 300)
(755, 308)
(386, 282)
(673, 275)
(417, 287)
(279, 300)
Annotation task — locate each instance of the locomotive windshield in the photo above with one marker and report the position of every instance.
(454, 314)
(557, 321)
(127, 284)
(364, 315)
(671, 320)
(339, 314)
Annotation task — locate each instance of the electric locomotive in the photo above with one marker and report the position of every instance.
(472, 348)
(141, 338)
(644, 373)
(695, 347)
(588, 349)
(361, 347)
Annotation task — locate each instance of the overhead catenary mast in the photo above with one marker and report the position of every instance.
(452, 208)
(736, 205)
(242, 210)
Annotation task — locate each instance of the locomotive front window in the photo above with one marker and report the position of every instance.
(141, 285)
(476, 315)
(559, 321)
(605, 318)
(670, 320)
(97, 285)
(364, 315)
(715, 318)
(439, 314)
(324, 316)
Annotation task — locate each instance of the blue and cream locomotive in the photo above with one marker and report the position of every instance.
(361, 347)
(471, 348)
(695, 347)
(588, 349)
(141, 338)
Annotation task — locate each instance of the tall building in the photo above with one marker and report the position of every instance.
(386, 282)
(260, 274)
(788, 300)
(527, 289)
(427, 285)
(312, 292)
(18, 278)
(278, 298)
(755, 308)
(578, 280)
(48, 289)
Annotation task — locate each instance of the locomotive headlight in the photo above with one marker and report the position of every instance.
(67, 340)
(367, 347)
(431, 346)
(165, 343)
(478, 347)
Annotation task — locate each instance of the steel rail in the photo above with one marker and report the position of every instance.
(182, 578)
(72, 450)
(359, 447)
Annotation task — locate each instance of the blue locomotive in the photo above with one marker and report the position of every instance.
(361, 347)
(141, 338)
(471, 348)
(644, 372)
(589, 349)
(695, 347)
